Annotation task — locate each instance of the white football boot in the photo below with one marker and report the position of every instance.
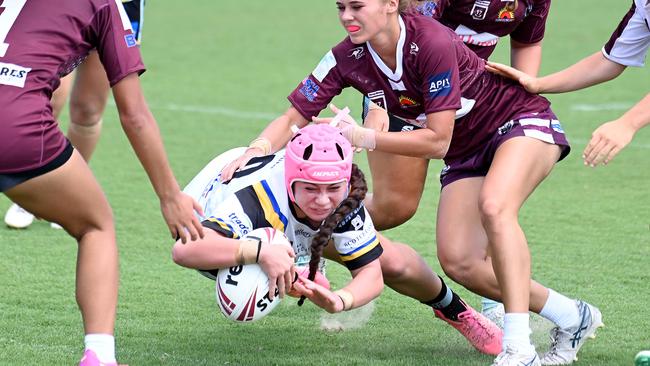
(18, 218)
(565, 343)
(513, 356)
(495, 312)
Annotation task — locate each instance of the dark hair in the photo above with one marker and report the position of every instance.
(358, 190)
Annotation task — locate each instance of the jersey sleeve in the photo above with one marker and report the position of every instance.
(440, 77)
(116, 43)
(356, 239)
(315, 92)
(532, 28)
(629, 43)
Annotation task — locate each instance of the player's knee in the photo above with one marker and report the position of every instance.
(85, 114)
(493, 211)
(389, 211)
(457, 267)
(393, 268)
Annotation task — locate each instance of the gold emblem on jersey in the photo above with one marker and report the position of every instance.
(405, 101)
(507, 14)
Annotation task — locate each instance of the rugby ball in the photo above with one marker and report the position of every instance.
(243, 291)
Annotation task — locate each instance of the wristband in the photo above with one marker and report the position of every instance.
(346, 297)
(248, 251)
(261, 143)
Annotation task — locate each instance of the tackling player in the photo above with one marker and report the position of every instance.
(39, 168)
(87, 103)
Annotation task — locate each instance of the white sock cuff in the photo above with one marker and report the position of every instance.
(103, 345)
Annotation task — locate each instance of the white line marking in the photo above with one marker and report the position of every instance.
(601, 107)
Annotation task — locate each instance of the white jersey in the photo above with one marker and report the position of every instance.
(629, 43)
(256, 197)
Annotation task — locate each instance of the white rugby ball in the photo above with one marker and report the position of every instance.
(243, 291)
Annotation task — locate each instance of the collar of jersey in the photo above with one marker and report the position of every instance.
(397, 75)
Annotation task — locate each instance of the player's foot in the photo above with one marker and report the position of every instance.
(495, 313)
(90, 359)
(18, 218)
(484, 335)
(54, 225)
(565, 343)
(513, 356)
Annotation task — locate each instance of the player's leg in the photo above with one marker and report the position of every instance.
(87, 104)
(397, 186)
(406, 272)
(519, 166)
(70, 195)
(17, 217)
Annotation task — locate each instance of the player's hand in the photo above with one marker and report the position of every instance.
(359, 137)
(277, 262)
(530, 83)
(229, 170)
(178, 212)
(319, 295)
(606, 141)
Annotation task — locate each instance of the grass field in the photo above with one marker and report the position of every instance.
(217, 73)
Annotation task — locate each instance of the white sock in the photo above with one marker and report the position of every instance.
(516, 331)
(103, 345)
(560, 310)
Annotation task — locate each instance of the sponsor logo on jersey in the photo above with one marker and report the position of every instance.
(507, 14)
(440, 84)
(13, 75)
(414, 49)
(378, 97)
(309, 89)
(480, 9)
(427, 8)
(130, 40)
(405, 101)
(324, 66)
(505, 128)
(357, 53)
(556, 126)
(239, 223)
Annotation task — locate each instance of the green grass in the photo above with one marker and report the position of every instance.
(217, 71)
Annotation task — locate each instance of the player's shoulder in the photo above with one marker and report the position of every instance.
(356, 220)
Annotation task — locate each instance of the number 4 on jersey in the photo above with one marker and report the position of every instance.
(9, 11)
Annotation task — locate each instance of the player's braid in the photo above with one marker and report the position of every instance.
(358, 190)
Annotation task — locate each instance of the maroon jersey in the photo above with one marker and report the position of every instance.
(435, 72)
(480, 23)
(41, 41)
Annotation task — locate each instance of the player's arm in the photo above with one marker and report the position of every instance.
(274, 137)
(142, 131)
(429, 143)
(611, 137)
(592, 70)
(366, 284)
(526, 57)
(215, 250)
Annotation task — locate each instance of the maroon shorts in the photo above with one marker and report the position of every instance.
(541, 126)
(9, 180)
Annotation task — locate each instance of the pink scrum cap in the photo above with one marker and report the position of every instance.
(317, 153)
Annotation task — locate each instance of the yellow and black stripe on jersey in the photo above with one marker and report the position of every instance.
(220, 226)
(261, 207)
(362, 255)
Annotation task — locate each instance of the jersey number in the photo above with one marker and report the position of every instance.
(7, 18)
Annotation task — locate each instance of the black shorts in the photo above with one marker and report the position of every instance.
(135, 11)
(9, 180)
